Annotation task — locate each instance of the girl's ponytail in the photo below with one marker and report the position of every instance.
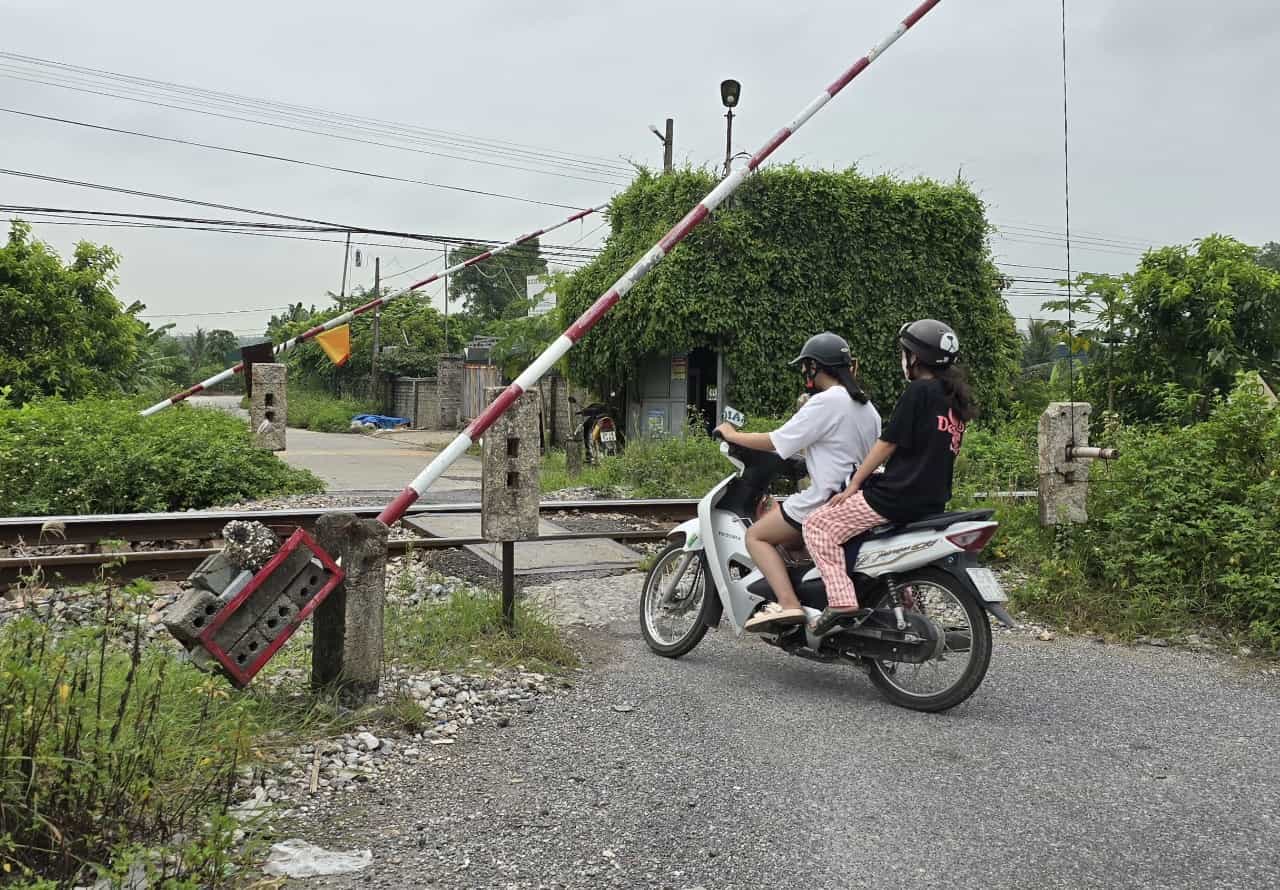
(851, 384)
(956, 387)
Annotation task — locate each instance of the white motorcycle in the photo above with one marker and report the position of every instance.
(923, 635)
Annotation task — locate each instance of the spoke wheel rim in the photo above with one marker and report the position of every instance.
(670, 623)
(937, 675)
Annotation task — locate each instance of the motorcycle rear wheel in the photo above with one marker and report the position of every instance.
(672, 629)
(967, 632)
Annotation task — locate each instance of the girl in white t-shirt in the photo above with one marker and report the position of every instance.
(835, 428)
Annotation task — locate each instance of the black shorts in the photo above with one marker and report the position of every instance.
(798, 526)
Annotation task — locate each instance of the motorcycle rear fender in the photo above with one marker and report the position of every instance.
(956, 566)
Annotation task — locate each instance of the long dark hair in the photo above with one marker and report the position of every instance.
(956, 385)
(851, 384)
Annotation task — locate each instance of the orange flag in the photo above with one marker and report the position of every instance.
(336, 344)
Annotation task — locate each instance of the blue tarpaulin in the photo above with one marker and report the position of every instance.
(381, 421)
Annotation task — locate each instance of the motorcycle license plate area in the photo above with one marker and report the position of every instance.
(608, 436)
(988, 585)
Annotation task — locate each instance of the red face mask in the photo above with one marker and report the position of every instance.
(810, 371)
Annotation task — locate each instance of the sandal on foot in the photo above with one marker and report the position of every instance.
(773, 617)
(830, 618)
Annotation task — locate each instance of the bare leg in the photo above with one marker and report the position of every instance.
(762, 541)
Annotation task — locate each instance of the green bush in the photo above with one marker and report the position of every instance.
(100, 456)
(310, 410)
(1183, 531)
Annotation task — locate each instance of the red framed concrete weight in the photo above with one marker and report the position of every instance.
(249, 630)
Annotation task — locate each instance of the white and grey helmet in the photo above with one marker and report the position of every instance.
(932, 342)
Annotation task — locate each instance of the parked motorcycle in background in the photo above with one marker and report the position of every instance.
(599, 431)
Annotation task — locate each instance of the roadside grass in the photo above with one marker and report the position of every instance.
(466, 630)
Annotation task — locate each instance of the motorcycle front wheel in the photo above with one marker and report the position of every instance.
(964, 652)
(676, 601)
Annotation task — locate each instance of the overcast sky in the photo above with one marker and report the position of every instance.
(1173, 125)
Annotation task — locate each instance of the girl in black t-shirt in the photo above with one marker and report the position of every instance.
(918, 448)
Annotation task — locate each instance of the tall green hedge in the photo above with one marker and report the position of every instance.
(796, 252)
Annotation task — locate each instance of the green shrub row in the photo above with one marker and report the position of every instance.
(100, 456)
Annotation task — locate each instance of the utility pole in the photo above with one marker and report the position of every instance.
(668, 142)
(446, 301)
(346, 255)
(377, 328)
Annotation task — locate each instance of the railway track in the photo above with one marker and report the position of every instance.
(170, 545)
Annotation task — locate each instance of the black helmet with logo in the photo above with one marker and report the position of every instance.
(931, 341)
(827, 349)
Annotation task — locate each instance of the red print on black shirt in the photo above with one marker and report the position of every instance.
(953, 425)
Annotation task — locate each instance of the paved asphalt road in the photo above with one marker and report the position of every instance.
(1076, 765)
(348, 462)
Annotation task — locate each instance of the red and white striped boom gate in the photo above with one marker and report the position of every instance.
(588, 319)
(345, 317)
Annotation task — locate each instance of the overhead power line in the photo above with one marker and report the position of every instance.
(283, 159)
(233, 98)
(417, 236)
(326, 125)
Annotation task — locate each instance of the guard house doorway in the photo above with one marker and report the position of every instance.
(703, 390)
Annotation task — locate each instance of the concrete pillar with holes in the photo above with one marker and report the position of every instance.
(509, 490)
(348, 631)
(268, 414)
(1064, 477)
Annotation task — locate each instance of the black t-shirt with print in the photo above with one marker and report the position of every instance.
(916, 481)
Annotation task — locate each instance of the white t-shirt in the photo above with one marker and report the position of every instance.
(835, 433)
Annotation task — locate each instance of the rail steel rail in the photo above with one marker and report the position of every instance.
(207, 524)
(205, 527)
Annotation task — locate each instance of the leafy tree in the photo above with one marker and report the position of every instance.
(1269, 256)
(162, 362)
(495, 288)
(1040, 343)
(63, 332)
(290, 318)
(1180, 327)
(412, 337)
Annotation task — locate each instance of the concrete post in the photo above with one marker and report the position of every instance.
(268, 414)
(347, 627)
(509, 491)
(449, 377)
(1064, 483)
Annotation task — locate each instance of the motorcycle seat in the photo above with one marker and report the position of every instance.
(937, 521)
